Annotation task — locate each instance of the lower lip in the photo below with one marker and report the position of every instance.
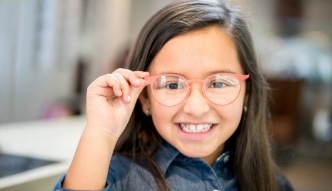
(195, 137)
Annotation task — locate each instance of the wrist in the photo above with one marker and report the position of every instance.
(104, 130)
(101, 138)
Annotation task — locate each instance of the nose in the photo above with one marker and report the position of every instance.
(196, 103)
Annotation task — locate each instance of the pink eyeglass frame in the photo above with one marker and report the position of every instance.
(240, 77)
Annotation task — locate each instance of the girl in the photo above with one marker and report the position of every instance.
(200, 119)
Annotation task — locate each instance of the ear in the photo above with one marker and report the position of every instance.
(145, 102)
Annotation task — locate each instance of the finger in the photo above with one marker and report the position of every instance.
(125, 89)
(121, 82)
(134, 78)
(138, 78)
(103, 86)
(114, 83)
(135, 83)
(132, 83)
(136, 91)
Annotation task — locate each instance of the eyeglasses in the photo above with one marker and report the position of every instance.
(220, 89)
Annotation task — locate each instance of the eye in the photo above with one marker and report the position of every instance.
(169, 83)
(221, 81)
(217, 84)
(173, 85)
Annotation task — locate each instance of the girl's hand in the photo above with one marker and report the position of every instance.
(110, 102)
(111, 99)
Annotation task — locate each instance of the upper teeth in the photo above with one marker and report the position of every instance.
(198, 128)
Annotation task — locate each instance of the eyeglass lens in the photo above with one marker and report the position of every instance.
(220, 89)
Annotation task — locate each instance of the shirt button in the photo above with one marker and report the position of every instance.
(226, 158)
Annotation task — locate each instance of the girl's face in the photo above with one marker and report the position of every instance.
(196, 55)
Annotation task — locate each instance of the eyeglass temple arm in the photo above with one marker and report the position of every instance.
(243, 77)
(150, 79)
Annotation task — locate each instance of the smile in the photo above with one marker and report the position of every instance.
(195, 128)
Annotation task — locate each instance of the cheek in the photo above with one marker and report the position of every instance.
(161, 115)
(159, 112)
(233, 111)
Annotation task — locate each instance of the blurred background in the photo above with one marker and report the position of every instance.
(50, 50)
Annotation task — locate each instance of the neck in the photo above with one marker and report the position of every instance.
(211, 159)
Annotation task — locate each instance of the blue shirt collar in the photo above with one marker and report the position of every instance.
(167, 154)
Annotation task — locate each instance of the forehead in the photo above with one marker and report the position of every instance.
(198, 54)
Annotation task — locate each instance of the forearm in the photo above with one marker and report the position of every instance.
(90, 164)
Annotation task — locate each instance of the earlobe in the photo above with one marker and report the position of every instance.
(246, 96)
(245, 103)
(145, 102)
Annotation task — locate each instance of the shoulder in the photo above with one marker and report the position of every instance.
(125, 174)
(120, 165)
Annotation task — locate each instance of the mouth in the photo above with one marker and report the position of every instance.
(196, 128)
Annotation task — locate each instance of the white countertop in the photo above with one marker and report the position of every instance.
(47, 139)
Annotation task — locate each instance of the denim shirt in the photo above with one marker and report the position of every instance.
(181, 172)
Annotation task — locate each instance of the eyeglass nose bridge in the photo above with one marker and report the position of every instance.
(196, 81)
(202, 88)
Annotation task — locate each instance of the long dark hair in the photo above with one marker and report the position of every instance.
(253, 165)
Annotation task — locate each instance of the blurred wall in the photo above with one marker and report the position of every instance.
(140, 12)
(38, 50)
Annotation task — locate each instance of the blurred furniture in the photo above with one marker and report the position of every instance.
(285, 110)
(46, 140)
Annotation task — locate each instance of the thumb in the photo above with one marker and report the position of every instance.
(136, 91)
